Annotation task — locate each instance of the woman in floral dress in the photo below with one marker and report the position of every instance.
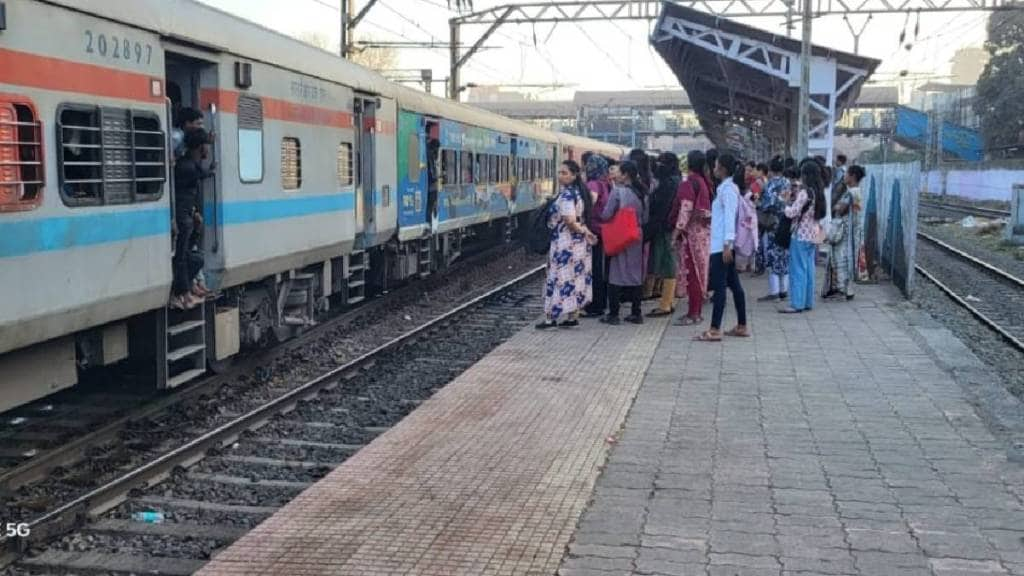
(569, 285)
(773, 202)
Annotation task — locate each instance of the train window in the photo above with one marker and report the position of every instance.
(449, 170)
(250, 139)
(21, 157)
(291, 163)
(149, 155)
(345, 164)
(492, 168)
(535, 170)
(466, 163)
(413, 157)
(109, 155)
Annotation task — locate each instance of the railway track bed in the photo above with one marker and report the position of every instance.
(210, 498)
(282, 456)
(994, 296)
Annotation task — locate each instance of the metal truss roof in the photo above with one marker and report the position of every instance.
(738, 75)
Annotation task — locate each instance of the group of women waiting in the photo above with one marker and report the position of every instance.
(703, 221)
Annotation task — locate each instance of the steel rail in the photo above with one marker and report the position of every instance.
(972, 259)
(972, 210)
(991, 324)
(98, 500)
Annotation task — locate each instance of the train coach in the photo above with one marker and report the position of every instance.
(324, 188)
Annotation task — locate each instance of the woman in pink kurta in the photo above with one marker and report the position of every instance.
(693, 236)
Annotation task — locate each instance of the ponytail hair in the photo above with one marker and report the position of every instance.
(810, 175)
(630, 170)
(581, 187)
(735, 169)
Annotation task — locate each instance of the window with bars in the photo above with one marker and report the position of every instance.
(250, 139)
(345, 164)
(109, 155)
(466, 164)
(21, 157)
(449, 168)
(492, 168)
(291, 163)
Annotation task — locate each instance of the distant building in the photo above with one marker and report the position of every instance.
(951, 102)
(967, 65)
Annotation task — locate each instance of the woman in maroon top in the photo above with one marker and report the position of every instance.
(693, 235)
(599, 186)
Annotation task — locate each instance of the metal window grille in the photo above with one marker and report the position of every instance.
(345, 164)
(110, 155)
(291, 163)
(21, 158)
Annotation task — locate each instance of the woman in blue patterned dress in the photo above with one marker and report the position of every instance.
(569, 286)
(773, 202)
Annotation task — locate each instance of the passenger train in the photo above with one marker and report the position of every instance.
(321, 189)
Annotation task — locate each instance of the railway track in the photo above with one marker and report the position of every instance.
(967, 210)
(992, 295)
(212, 489)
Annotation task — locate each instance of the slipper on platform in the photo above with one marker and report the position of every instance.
(689, 321)
(737, 333)
(708, 336)
(789, 311)
(658, 313)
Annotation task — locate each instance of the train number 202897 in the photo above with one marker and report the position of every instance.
(117, 48)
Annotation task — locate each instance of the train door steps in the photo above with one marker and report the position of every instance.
(185, 327)
(186, 345)
(180, 529)
(186, 376)
(99, 563)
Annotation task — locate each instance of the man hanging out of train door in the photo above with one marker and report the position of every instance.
(189, 175)
(433, 184)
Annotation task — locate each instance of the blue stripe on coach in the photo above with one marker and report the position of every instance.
(18, 238)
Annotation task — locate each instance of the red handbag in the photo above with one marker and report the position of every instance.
(620, 232)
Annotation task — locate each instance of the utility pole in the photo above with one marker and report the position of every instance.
(345, 44)
(804, 111)
(453, 74)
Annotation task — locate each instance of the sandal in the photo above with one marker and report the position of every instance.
(689, 321)
(789, 311)
(658, 313)
(737, 332)
(708, 336)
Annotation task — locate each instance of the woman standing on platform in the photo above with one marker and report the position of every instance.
(806, 209)
(600, 188)
(842, 260)
(773, 202)
(568, 288)
(626, 269)
(693, 236)
(724, 212)
(661, 222)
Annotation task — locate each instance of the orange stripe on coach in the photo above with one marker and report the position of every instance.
(33, 70)
(277, 109)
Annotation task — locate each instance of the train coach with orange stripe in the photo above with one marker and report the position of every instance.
(320, 193)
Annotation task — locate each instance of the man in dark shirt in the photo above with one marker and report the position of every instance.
(189, 175)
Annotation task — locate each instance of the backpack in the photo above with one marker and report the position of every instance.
(539, 238)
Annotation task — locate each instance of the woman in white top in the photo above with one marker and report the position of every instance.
(724, 210)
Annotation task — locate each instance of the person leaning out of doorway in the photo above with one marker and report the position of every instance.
(189, 176)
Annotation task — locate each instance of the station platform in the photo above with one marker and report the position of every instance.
(860, 438)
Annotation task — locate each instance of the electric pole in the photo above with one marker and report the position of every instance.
(804, 111)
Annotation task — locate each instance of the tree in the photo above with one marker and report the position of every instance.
(1001, 85)
(379, 59)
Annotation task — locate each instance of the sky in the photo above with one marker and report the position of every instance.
(604, 55)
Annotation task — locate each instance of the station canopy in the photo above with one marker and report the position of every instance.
(743, 82)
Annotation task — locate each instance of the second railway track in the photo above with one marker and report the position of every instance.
(992, 295)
